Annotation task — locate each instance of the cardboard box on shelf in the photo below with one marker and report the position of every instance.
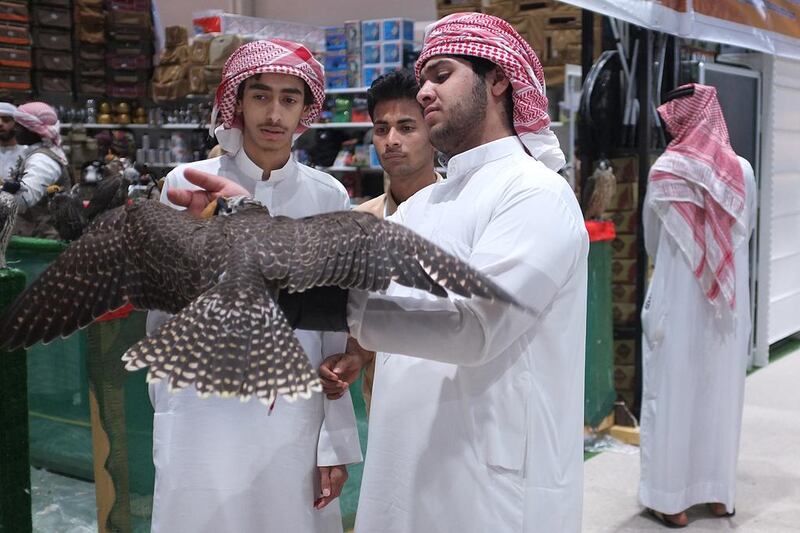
(352, 35)
(371, 53)
(626, 221)
(397, 29)
(624, 293)
(624, 314)
(393, 51)
(623, 271)
(446, 7)
(335, 38)
(372, 73)
(624, 351)
(624, 246)
(370, 30)
(624, 377)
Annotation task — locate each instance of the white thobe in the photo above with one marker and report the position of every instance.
(694, 363)
(223, 465)
(482, 430)
(40, 172)
(8, 159)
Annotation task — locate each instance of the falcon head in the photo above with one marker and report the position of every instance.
(231, 206)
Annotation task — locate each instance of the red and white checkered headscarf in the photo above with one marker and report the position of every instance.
(698, 190)
(42, 119)
(494, 39)
(268, 56)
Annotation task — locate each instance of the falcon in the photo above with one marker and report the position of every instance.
(221, 278)
(67, 213)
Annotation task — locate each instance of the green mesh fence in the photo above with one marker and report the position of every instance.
(15, 496)
(58, 391)
(58, 400)
(599, 393)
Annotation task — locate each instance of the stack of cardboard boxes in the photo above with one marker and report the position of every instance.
(52, 53)
(552, 28)
(130, 47)
(386, 45)
(623, 212)
(359, 52)
(90, 53)
(16, 58)
(336, 55)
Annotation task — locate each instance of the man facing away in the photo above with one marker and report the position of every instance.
(225, 465)
(401, 140)
(699, 213)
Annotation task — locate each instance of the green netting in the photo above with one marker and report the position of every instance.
(15, 496)
(599, 393)
(58, 392)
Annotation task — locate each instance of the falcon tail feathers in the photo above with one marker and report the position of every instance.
(232, 340)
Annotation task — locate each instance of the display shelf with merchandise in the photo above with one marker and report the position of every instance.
(341, 125)
(98, 126)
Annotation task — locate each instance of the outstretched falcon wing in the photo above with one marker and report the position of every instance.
(359, 251)
(118, 259)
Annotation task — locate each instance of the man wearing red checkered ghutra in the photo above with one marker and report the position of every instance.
(224, 465)
(482, 429)
(699, 213)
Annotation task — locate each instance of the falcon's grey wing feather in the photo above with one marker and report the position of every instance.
(128, 254)
(357, 250)
(84, 279)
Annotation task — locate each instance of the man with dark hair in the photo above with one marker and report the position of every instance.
(226, 465)
(400, 137)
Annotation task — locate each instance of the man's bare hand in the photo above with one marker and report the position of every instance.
(337, 372)
(212, 187)
(331, 481)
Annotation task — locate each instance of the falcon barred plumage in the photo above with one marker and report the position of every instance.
(222, 277)
(67, 212)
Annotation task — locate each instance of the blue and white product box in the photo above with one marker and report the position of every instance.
(372, 73)
(335, 60)
(354, 71)
(370, 30)
(396, 29)
(335, 38)
(352, 34)
(336, 80)
(371, 53)
(393, 52)
(373, 157)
